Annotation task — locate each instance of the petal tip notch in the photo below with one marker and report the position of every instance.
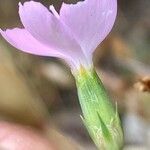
(53, 10)
(20, 4)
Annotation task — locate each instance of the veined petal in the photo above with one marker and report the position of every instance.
(47, 29)
(90, 21)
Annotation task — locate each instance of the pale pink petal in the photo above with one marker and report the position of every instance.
(47, 29)
(22, 40)
(90, 21)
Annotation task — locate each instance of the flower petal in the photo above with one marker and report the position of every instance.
(90, 21)
(23, 40)
(46, 28)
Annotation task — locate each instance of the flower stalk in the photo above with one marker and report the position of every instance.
(99, 116)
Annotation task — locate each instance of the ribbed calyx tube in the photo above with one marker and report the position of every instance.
(99, 115)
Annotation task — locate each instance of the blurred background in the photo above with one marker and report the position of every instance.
(36, 89)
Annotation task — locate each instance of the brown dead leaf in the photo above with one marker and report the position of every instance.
(143, 84)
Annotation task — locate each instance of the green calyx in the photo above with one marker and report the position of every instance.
(99, 116)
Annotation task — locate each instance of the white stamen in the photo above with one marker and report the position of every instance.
(51, 7)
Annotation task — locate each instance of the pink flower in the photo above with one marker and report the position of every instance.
(72, 35)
